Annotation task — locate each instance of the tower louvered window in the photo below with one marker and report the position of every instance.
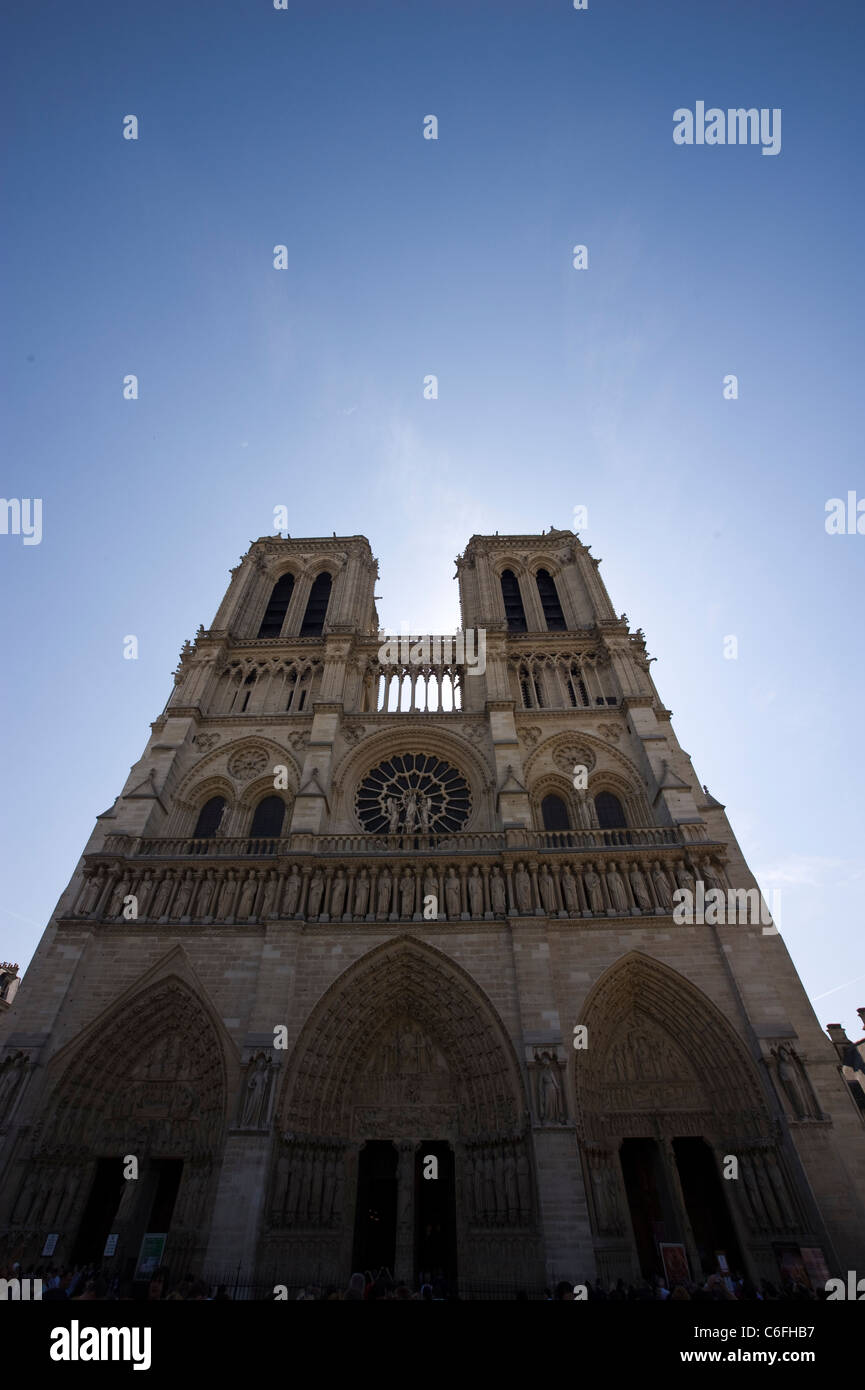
(553, 615)
(274, 616)
(514, 613)
(316, 608)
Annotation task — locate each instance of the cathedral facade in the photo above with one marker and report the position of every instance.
(377, 960)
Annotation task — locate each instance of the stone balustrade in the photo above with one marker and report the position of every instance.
(363, 843)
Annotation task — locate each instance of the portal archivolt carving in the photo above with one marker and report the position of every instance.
(150, 1080)
(658, 1045)
(403, 1041)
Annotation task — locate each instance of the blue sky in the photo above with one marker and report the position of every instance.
(557, 387)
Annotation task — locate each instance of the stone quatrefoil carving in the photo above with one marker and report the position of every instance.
(250, 762)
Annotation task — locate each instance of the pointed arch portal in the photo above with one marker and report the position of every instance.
(403, 1136)
(146, 1082)
(665, 1092)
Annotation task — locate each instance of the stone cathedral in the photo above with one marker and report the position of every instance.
(375, 962)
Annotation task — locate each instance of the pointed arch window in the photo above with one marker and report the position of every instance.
(514, 612)
(268, 819)
(316, 608)
(530, 686)
(250, 680)
(610, 813)
(577, 691)
(553, 615)
(554, 813)
(274, 614)
(209, 818)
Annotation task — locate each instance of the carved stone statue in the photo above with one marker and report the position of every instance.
(337, 895)
(12, 1073)
(476, 893)
(226, 895)
(662, 887)
(616, 889)
(268, 902)
(430, 887)
(452, 894)
(115, 907)
(205, 896)
(361, 894)
(316, 893)
(394, 811)
(523, 889)
(248, 894)
(788, 1067)
(91, 894)
(423, 810)
(489, 1188)
(569, 891)
(547, 887)
(180, 908)
(710, 878)
(384, 887)
(163, 895)
(685, 879)
(594, 892)
(639, 889)
(406, 894)
(409, 802)
(524, 1183)
(610, 1188)
(497, 892)
(549, 1092)
(256, 1093)
(292, 893)
(511, 1188)
(587, 815)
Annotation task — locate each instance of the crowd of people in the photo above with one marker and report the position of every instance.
(91, 1283)
(715, 1288)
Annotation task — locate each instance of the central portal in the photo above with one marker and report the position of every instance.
(402, 1133)
(405, 1217)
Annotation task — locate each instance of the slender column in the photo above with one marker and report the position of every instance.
(602, 871)
(646, 870)
(418, 895)
(124, 1218)
(582, 896)
(464, 897)
(306, 873)
(677, 1198)
(560, 900)
(348, 904)
(510, 887)
(325, 902)
(736, 1200)
(404, 1259)
(536, 896)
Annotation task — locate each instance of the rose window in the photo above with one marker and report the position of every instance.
(413, 793)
